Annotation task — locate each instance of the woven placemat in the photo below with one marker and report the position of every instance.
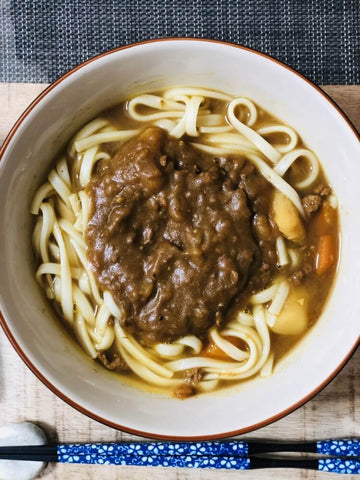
(41, 39)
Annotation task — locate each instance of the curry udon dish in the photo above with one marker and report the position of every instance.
(187, 238)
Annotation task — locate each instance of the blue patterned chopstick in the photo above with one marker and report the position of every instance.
(237, 455)
(236, 448)
(334, 465)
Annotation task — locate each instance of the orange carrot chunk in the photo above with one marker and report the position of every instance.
(213, 351)
(323, 221)
(325, 255)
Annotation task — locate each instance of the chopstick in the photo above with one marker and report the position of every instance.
(233, 454)
(325, 464)
(335, 447)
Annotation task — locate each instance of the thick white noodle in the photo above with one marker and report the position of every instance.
(145, 373)
(245, 318)
(59, 186)
(270, 318)
(72, 256)
(262, 329)
(47, 224)
(36, 235)
(57, 288)
(111, 305)
(48, 218)
(282, 252)
(48, 268)
(163, 108)
(82, 257)
(83, 306)
(208, 385)
(225, 369)
(169, 350)
(165, 124)
(219, 129)
(179, 130)
(129, 344)
(83, 336)
(280, 298)
(278, 182)
(67, 227)
(106, 137)
(84, 284)
(65, 277)
(295, 257)
(291, 157)
(266, 370)
(54, 269)
(102, 319)
(190, 91)
(41, 194)
(265, 295)
(106, 340)
(75, 204)
(192, 342)
(54, 251)
(91, 128)
(191, 114)
(64, 211)
(291, 134)
(250, 107)
(85, 208)
(230, 139)
(63, 171)
(87, 165)
(199, 362)
(102, 156)
(265, 147)
(227, 347)
(156, 102)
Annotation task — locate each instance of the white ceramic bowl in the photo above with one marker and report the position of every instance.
(47, 125)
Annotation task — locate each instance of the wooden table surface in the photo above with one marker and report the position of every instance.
(334, 412)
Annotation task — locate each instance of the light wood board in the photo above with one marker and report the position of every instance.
(334, 412)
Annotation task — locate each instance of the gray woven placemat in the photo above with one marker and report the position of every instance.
(41, 39)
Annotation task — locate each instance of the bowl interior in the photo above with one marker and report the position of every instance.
(47, 127)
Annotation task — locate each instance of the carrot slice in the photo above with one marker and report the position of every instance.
(324, 220)
(213, 351)
(325, 254)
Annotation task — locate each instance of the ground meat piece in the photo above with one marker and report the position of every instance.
(256, 284)
(193, 376)
(323, 190)
(297, 277)
(311, 204)
(117, 363)
(184, 390)
(308, 267)
(262, 227)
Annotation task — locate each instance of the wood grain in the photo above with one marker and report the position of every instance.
(334, 412)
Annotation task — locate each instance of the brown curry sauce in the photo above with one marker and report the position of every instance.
(181, 238)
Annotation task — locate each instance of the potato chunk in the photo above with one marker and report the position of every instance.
(293, 318)
(287, 218)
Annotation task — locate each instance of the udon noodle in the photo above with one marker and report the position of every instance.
(61, 206)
